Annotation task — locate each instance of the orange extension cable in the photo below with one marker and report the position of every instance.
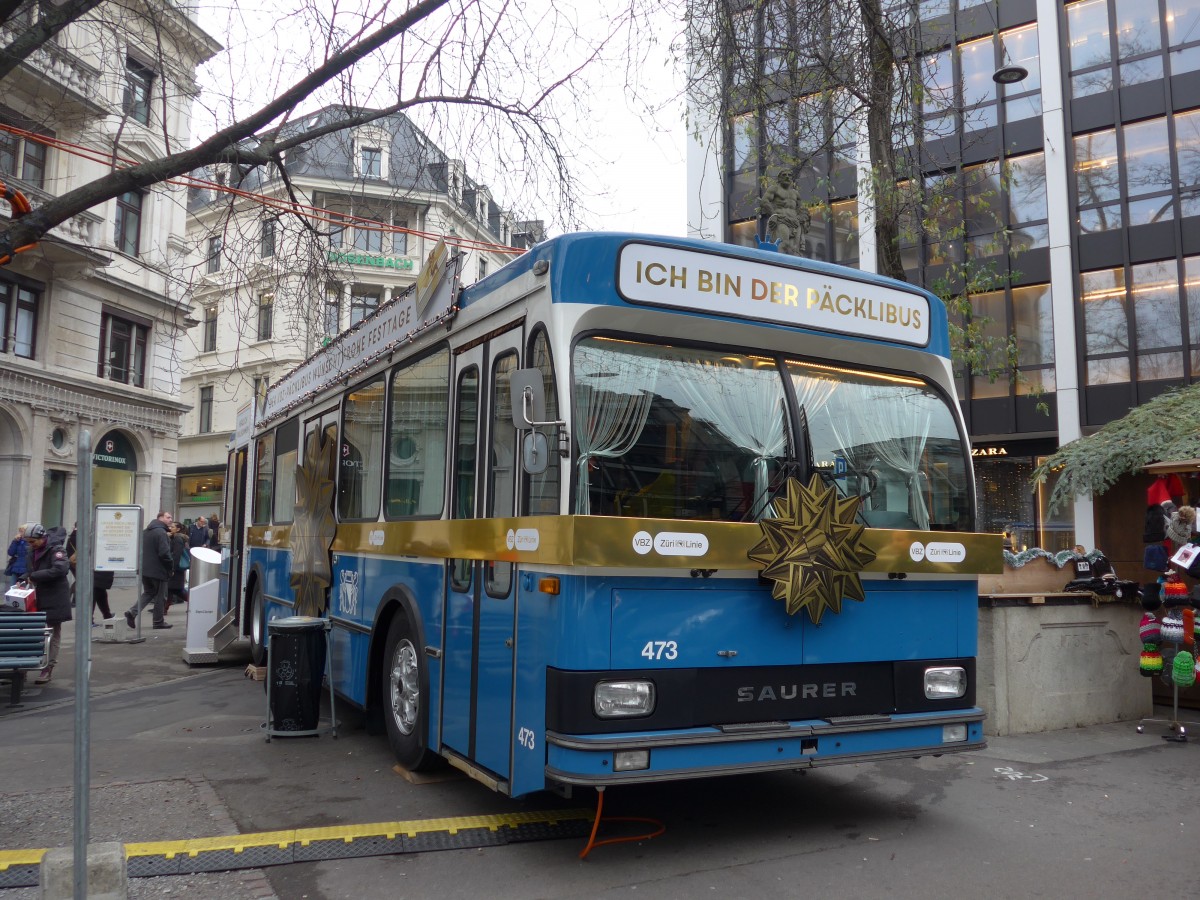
(20, 206)
(593, 843)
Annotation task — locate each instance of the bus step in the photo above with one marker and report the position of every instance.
(224, 633)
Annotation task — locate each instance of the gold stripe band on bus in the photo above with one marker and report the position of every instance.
(602, 541)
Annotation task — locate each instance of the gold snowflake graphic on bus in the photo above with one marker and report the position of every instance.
(813, 549)
(314, 527)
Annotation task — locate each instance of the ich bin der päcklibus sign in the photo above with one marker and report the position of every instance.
(118, 538)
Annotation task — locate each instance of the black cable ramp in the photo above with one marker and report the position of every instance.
(19, 868)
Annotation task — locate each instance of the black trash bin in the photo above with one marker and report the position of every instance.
(295, 667)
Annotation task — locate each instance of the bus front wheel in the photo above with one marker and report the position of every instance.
(258, 628)
(405, 696)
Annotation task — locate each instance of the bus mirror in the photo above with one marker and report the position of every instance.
(535, 453)
(528, 396)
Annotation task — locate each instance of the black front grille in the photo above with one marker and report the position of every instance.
(690, 698)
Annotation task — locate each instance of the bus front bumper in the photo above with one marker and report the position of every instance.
(633, 757)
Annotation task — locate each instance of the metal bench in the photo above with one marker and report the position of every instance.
(24, 647)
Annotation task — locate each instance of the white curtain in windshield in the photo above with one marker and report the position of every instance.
(613, 393)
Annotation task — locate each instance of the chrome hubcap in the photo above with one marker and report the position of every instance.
(404, 686)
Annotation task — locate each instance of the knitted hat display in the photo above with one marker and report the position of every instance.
(1151, 595)
(1171, 628)
(1175, 594)
(1183, 670)
(1189, 626)
(1151, 663)
(1150, 630)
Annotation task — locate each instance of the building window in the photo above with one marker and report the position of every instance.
(205, 408)
(123, 346)
(213, 260)
(138, 81)
(261, 382)
(18, 319)
(331, 320)
(266, 306)
(22, 158)
(368, 236)
(210, 328)
(363, 302)
(400, 239)
(371, 162)
(266, 245)
(129, 222)
(483, 267)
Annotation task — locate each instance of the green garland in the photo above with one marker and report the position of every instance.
(1060, 559)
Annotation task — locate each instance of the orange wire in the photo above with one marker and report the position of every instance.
(316, 213)
(593, 843)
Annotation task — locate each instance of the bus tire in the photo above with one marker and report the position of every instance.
(405, 696)
(258, 627)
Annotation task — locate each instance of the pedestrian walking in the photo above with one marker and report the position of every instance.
(101, 581)
(48, 567)
(156, 571)
(214, 540)
(18, 552)
(180, 561)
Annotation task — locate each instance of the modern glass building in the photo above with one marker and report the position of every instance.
(1079, 182)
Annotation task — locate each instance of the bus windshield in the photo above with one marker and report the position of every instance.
(889, 439)
(684, 433)
(674, 432)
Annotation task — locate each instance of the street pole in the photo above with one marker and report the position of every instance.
(84, 554)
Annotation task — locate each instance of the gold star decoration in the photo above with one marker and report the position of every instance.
(812, 550)
(314, 528)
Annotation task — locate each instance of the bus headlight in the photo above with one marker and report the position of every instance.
(623, 699)
(945, 682)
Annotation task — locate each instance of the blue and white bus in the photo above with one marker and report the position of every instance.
(629, 509)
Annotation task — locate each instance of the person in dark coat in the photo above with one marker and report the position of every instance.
(177, 583)
(101, 581)
(199, 534)
(156, 571)
(214, 540)
(18, 557)
(48, 568)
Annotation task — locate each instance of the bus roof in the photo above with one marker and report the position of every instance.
(709, 277)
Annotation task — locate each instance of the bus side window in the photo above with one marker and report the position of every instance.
(360, 457)
(264, 478)
(465, 444)
(287, 441)
(416, 438)
(503, 449)
(540, 492)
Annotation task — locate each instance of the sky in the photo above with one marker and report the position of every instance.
(630, 150)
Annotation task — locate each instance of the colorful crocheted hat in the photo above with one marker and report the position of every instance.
(1151, 662)
(1150, 630)
(1172, 628)
(1183, 670)
(1175, 594)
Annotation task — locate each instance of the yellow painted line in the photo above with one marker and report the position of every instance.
(239, 843)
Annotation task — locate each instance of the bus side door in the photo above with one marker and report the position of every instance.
(480, 602)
